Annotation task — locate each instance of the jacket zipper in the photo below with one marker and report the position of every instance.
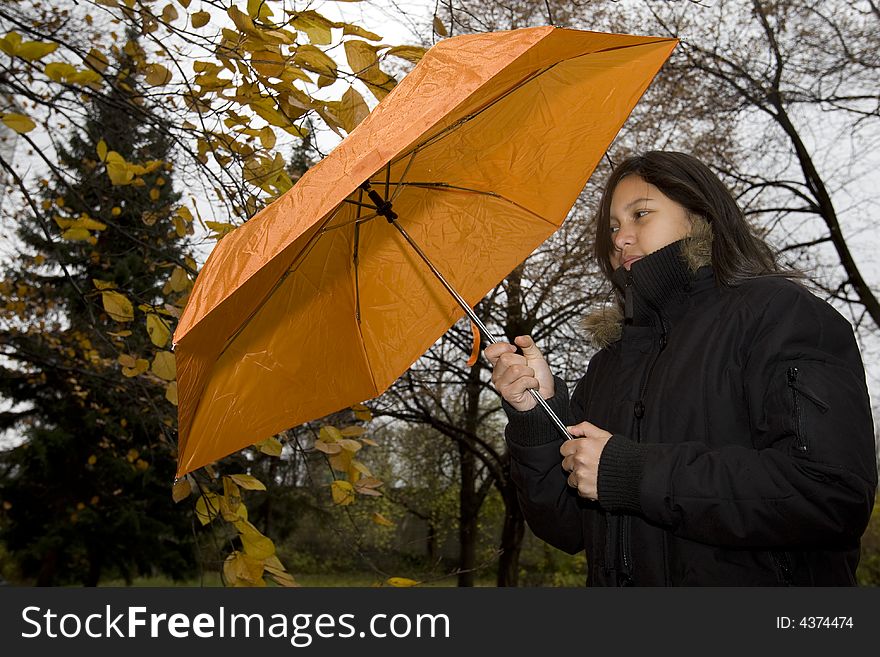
(799, 390)
(638, 411)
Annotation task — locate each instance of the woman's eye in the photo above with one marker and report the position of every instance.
(614, 229)
(638, 214)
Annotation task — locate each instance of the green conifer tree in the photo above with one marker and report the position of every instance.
(85, 325)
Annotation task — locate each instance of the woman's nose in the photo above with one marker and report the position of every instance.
(624, 236)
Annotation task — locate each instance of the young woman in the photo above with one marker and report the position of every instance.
(723, 432)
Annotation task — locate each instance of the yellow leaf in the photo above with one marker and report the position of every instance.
(315, 25)
(370, 482)
(97, 60)
(271, 446)
(185, 3)
(169, 13)
(171, 392)
(200, 19)
(316, 60)
(259, 9)
(381, 520)
(157, 75)
(92, 460)
(343, 492)
(18, 122)
(103, 285)
(362, 413)
(181, 489)
(158, 330)
(331, 448)
(254, 543)
(87, 223)
(267, 137)
(355, 30)
(330, 434)
(101, 150)
(352, 109)
(350, 445)
(401, 582)
(117, 306)
(341, 461)
(58, 71)
(242, 21)
(358, 467)
(268, 62)
(241, 569)
(179, 280)
(164, 366)
(137, 368)
(76, 235)
(439, 27)
(410, 53)
(118, 170)
(352, 431)
(368, 441)
(10, 43)
(184, 213)
(126, 360)
(33, 50)
(360, 55)
(207, 507)
(248, 482)
(85, 77)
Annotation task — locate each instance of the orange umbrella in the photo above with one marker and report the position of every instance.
(321, 300)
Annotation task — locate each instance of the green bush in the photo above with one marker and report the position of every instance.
(868, 573)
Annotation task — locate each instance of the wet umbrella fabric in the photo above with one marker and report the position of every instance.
(318, 302)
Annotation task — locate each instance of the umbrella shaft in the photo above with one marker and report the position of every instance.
(476, 320)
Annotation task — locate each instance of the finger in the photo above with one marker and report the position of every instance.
(508, 375)
(494, 351)
(528, 346)
(583, 430)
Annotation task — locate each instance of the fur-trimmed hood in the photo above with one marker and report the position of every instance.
(605, 325)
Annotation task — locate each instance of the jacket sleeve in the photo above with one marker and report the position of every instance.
(551, 508)
(810, 475)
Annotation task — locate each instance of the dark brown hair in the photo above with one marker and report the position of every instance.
(737, 253)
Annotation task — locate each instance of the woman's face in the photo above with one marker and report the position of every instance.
(643, 220)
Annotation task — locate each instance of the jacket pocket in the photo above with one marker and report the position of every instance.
(802, 397)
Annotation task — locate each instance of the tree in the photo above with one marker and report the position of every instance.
(87, 491)
(803, 64)
(226, 92)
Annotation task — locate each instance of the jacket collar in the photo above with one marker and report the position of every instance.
(656, 287)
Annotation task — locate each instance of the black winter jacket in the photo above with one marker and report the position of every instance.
(743, 446)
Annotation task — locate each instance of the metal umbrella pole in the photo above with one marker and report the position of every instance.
(383, 208)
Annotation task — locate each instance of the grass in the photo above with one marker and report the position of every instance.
(322, 580)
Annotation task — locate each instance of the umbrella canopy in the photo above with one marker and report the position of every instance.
(318, 303)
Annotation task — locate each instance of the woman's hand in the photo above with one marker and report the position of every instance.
(580, 458)
(513, 375)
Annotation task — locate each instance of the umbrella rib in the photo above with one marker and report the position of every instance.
(307, 248)
(458, 188)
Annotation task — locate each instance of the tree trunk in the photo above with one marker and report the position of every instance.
(511, 538)
(471, 497)
(467, 518)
